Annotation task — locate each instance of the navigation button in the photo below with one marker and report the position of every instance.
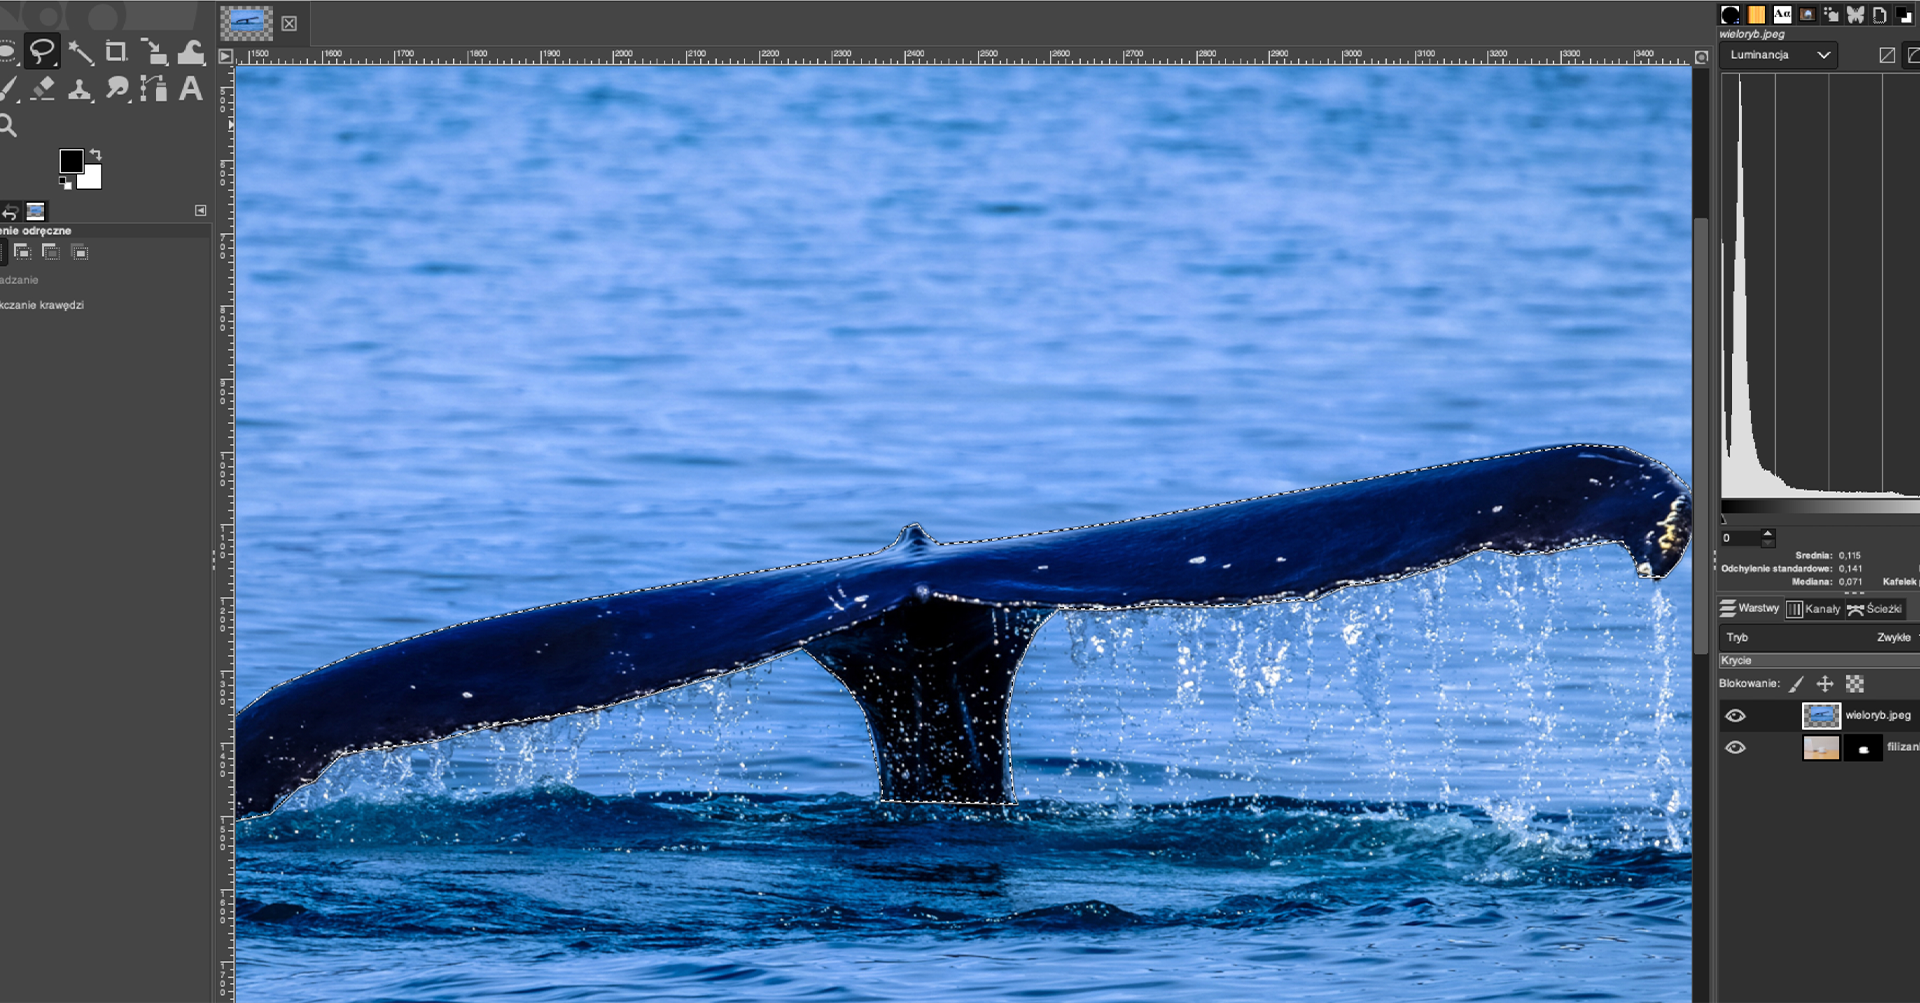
(1877, 608)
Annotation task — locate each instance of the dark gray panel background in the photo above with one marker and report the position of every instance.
(114, 692)
(111, 685)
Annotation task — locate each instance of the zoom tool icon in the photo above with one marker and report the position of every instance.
(1736, 747)
(1736, 715)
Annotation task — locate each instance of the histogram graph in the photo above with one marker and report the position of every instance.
(1821, 287)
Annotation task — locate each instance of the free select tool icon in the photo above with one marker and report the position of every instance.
(43, 50)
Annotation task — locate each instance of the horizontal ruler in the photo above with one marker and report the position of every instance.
(1234, 55)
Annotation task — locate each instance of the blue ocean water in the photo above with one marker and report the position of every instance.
(512, 336)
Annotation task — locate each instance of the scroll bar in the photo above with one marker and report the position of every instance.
(1706, 473)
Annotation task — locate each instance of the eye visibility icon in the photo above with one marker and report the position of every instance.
(1736, 747)
(1736, 715)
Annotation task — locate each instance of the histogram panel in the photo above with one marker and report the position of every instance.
(1823, 315)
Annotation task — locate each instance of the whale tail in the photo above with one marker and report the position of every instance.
(927, 636)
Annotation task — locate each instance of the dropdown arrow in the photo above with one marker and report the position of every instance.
(1824, 55)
